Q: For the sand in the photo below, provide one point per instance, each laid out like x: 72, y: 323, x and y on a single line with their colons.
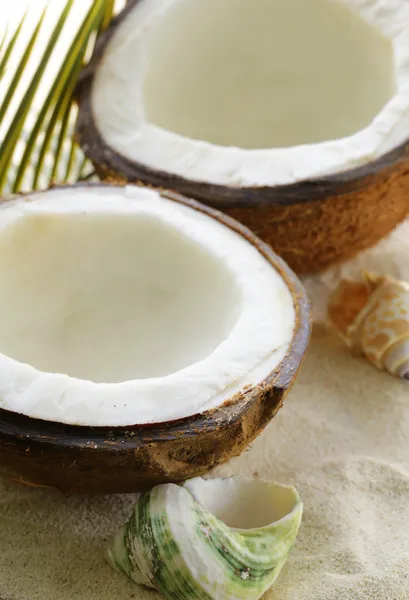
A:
x: 342, y: 438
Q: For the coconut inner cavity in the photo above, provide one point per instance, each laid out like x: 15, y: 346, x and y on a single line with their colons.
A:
x: 110, y: 298
x: 263, y: 73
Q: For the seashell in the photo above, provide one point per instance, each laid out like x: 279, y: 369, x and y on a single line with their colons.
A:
x: 372, y: 317
x: 210, y: 539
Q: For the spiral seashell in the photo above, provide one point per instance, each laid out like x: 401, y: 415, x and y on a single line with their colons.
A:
x: 372, y: 316
x: 216, y: 539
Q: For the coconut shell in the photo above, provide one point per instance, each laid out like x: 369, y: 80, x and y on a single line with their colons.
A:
x: 311, y: 224
x: 119, y: 460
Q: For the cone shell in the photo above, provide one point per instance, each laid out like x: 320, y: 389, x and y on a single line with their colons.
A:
x: 372, y: 316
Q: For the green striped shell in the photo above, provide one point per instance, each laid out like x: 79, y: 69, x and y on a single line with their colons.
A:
x: 175, y: 543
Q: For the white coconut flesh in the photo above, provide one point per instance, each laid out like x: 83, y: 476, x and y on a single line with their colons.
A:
x: 119, y: 307
x: 255, y: 92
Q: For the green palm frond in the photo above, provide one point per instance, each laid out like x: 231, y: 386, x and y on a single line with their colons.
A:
x: 9, y: 48
x: 37, y: 144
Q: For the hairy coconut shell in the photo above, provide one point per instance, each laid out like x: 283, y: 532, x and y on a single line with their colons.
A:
x: 116, y: 459
x: 311, y: 224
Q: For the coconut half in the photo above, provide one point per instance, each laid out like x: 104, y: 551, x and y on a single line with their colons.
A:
x: 260, y: 105
x: 145, y: 338
x: 235, y: 92
x: 119, y: 307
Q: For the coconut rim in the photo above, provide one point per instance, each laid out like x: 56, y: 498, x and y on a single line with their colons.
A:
x: 113, y: 163
x: 232, y: 409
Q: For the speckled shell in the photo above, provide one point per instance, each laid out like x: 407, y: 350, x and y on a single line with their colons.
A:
x: 372, y: 317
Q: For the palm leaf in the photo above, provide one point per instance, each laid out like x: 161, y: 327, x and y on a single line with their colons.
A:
x: 13, y: 134
x: 38, y: 147
x: 10, y: 46
x: 21, y: 67
x: 2, y: 42
x: 65, y: 83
